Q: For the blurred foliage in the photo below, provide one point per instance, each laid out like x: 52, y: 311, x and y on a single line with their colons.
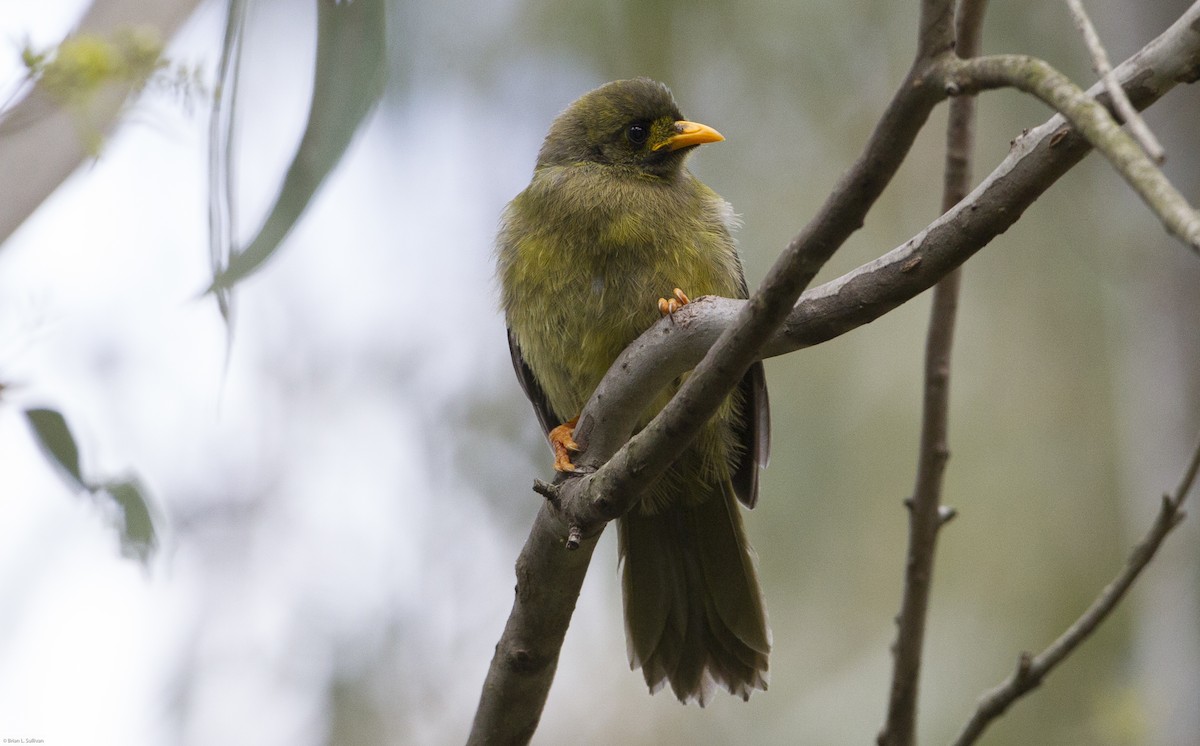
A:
x: 139, y: 539
x: 53, y: 435
x: 133, y: 520
x: 347, y: 83
x: 74, y: 71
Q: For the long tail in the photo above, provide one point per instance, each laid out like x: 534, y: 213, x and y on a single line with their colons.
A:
x: 694, y: 613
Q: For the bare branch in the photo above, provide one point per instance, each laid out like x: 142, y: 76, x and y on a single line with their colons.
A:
x: 35, y: 160
x: 936, y: 35
x: 522, y: 669
x: 1032, y: 670
x: 1128, y: 114
x: 1095, y: 123
x: 1036, y: 160
x: 925, y: 514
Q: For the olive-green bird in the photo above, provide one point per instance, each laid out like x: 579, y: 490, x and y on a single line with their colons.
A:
x: 610, y: 224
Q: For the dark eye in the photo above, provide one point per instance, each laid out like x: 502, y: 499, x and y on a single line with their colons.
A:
x: 637, y: 133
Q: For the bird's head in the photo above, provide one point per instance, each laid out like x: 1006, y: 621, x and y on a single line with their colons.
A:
x: 630, y: 123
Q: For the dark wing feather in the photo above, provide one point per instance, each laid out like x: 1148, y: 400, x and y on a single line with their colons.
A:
x: 531, y: 387
x: 753, y: 432
x: 753, y: 429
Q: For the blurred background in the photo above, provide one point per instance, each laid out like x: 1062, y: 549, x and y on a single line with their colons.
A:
x: 340, y: 484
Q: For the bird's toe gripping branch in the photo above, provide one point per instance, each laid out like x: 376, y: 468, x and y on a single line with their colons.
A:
x: 669, y: 306
x: 562, y: 440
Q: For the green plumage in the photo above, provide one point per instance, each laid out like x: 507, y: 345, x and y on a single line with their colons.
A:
x: 611, y: 222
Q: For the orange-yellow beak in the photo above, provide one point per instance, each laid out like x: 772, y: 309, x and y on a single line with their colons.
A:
x: 689, y: 133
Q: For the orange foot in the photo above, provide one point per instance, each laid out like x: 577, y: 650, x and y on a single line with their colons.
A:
x: 562, y: 440
x: 666, y: 307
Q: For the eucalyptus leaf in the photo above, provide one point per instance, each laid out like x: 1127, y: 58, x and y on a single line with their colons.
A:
x: 55, y: 439
x: 138, y: 536
x: 221, y: 213
x: 348, y: 81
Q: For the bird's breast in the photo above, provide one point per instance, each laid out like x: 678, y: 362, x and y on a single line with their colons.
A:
x: 584, y: 262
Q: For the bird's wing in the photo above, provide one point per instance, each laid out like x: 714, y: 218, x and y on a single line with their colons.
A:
x: 529, y: 384
x: 753, y: 432
x: 753, y: 429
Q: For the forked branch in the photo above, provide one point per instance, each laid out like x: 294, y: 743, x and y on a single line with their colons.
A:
x: 1095, y: 122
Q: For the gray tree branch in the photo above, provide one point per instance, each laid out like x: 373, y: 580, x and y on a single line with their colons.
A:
x: 1137, y: 125
x: 34, y: 160
x: 925, y: 515
x: 1095, y: 122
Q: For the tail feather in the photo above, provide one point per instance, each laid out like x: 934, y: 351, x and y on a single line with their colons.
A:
x: 728, y: 564
x: 694, y: 614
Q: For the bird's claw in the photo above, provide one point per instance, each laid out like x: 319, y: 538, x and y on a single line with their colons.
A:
x: 668, y: 306
x: 562, y: 440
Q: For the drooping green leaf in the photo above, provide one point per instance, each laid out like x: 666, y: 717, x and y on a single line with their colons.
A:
x: 221, y: 212
x: 139, y: 539
x: 55, y: 439
x: 349, y: 78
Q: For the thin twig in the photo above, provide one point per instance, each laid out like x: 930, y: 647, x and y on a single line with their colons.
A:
x: 924, y: 514
x: 1128, y: 114
x: 1095, y: 123
x: 1032, y: 670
